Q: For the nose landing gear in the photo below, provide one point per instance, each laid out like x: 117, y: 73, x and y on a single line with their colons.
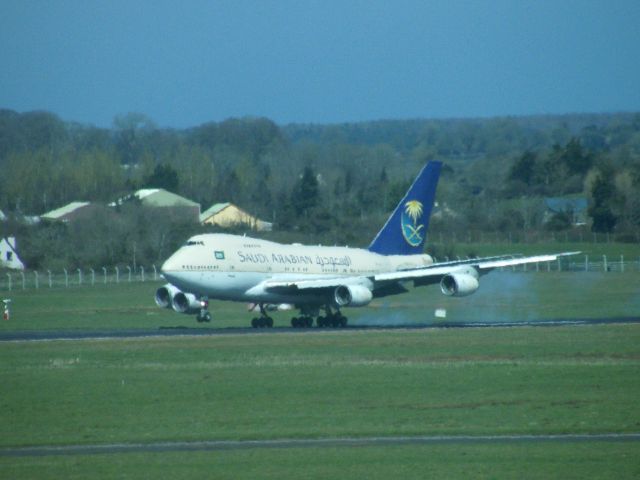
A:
x: 204, y: 315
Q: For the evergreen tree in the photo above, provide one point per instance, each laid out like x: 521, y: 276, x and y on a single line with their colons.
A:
x: 602, y: 192
x: 305, y: 193
x: 523, y: 169
x: 163, y: 176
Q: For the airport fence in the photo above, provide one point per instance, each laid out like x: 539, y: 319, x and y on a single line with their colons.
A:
x: 67, y: 278
x: 30, y: 279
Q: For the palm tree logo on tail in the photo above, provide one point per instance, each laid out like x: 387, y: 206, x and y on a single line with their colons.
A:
x: 412, y: 232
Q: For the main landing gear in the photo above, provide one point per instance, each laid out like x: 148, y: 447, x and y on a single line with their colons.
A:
x: 330, y: 320
x: 305, y: 320
x: 335, y: 320
x: 302, y: 322
x: 263, y: 321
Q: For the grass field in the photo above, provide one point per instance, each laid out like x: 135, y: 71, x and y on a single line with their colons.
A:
x: 334, y: 384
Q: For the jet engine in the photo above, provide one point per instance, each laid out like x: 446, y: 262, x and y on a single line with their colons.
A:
x: 169, y: 296
x: 352, y: 296
x: 459, y: 284
x: 164, y: 296
x: 186, y: 303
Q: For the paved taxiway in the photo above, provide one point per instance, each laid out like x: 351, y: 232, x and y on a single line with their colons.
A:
x: 185, y: 331
x: 217, y: 445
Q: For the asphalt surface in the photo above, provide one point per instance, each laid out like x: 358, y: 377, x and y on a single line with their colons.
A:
x: 220, y: 445
x: 35, y: 335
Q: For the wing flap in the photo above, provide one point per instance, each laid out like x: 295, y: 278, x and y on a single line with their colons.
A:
x: 318, y: 283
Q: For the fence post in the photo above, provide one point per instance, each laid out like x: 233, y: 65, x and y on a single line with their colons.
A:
x: 129, y: 268
x: 66, y: 278
x: 155, y: 272
x: 104, y: 270
x: 622, y: 263
x: 37, y: 282
x: 117, y: 275
x: 586, y: 263
x: 79, y: 277
x: 50, y: 281
x: 604, y: 263
x: 93, y: 277
x: 142, y: 272
x: 9, y: 281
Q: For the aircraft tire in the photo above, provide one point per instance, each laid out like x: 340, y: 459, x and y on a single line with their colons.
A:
x: 268, y: 322
x: 254, y: 323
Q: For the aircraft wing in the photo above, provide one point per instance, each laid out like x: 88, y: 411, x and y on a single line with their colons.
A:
x: 424, y: 275
x: 482, y: 265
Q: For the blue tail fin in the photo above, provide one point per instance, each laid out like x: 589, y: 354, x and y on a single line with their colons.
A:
x: 406, y: 229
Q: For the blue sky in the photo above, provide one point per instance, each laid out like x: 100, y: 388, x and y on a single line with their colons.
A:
x: 185, y: 63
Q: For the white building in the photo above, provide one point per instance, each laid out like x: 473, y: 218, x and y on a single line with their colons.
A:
x: 8, y: 255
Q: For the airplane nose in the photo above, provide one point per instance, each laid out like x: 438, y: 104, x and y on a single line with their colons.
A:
x: 170, y: 265
x: 170, y: 272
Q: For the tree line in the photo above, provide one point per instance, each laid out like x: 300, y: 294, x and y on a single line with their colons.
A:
x: 336, y: 183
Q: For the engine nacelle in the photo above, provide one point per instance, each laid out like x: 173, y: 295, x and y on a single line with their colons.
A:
x: 352, y: 296
x: 169, y: 296
x: 459, y: 284
x: 187, y: 303
x: 165, y: 294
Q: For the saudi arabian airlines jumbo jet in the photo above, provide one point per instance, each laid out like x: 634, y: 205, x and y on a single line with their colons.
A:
x: 315, y: 278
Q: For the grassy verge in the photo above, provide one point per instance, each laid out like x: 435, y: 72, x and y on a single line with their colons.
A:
x: 526, y: 380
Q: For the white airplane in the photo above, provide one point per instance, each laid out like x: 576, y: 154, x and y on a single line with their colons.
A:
x: 315, y: 278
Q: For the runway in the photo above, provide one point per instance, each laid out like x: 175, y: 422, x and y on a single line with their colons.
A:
x: 221, y: 445
x: 36, y: 335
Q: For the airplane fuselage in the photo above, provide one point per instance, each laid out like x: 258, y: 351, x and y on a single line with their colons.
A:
x: 230, y: 267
